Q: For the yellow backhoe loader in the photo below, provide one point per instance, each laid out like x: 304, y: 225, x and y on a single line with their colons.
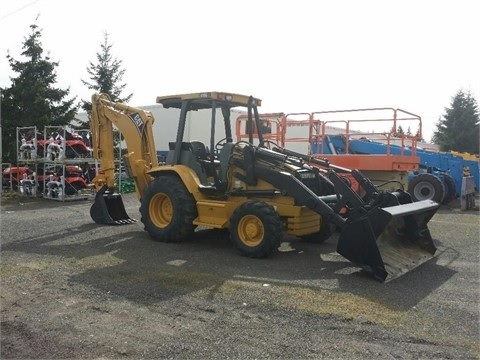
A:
x: 259, y: 192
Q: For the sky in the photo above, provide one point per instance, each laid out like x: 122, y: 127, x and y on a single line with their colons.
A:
x: 297, y: 56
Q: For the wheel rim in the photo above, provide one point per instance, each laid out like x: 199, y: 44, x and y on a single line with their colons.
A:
x: 424, y: 191
x: 250, y: 230
x: 160, y: 210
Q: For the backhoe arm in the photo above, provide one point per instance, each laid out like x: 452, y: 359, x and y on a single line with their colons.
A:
x: 136, y: 127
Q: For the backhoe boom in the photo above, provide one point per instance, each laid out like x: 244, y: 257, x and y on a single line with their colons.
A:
x: 135, y: 125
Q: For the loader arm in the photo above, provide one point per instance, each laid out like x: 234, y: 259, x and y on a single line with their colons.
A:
x: 136, y: 127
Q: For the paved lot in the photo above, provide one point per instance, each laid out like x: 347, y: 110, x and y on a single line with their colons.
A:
x: 74, y: 289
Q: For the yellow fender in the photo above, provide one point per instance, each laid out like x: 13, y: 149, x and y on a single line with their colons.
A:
x: 186, y: 174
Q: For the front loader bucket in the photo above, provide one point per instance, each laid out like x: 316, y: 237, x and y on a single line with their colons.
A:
x: 388, y: 242
x: 108, y: 209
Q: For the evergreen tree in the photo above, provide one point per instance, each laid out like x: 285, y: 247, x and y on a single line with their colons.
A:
x: 418, y: 137
x: 400, y: 131
x: 105, y: 77
x: 459, y: 128
x: 32, y: 99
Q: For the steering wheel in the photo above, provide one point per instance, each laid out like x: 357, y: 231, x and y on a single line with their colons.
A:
x: 219, y: 145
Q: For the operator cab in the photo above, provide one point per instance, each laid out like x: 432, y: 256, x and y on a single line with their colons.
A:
x: 209, y: 161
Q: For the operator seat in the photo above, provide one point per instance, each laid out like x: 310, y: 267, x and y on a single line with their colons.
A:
x: 186, y: 158
x: 201, y: 154
x: 199, y: 150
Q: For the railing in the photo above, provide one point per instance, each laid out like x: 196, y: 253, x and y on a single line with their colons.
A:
x: 370, y: 125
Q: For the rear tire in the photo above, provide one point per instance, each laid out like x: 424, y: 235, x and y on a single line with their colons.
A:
x: 426, y: 187
x: 167, y: 210
x: 451, y: 193
x: 326, y: 230
x: 256, y: 229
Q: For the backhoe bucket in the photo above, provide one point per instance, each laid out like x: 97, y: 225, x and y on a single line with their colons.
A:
x: 108, y: 209
x: 388, y: 242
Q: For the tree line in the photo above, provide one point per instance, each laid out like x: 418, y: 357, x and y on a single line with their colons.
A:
x: 34, y: 99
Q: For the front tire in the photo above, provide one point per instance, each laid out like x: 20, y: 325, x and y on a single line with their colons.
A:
x: 256, y: 229
x: 167, y: 210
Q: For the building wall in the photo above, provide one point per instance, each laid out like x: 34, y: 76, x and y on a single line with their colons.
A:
x: 197, y: 126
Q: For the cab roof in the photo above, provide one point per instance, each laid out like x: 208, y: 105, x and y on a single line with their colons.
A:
x: 204, y: 100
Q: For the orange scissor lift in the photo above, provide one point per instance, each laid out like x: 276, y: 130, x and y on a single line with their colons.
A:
x: 311, y: 133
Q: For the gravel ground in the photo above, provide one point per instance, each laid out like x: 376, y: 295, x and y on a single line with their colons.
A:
x: 74, y: 289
